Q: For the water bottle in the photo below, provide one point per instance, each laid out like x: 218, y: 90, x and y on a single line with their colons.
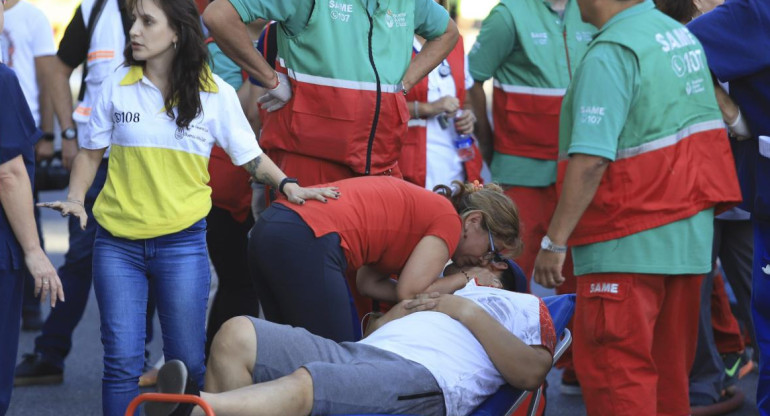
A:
x: 464, y: 147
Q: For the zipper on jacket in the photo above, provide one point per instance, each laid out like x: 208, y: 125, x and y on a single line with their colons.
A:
x: 566, y: 52
x: 376, y: 118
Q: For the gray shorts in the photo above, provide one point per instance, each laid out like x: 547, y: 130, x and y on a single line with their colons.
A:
x: 347, y: 377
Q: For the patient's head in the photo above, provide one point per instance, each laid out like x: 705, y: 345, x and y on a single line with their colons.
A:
x: 502, y: 275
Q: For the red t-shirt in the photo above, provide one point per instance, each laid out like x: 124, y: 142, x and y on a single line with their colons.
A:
x: 381, y: 219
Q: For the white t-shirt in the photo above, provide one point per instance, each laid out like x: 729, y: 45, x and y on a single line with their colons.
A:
x: 453, y: 355
x: 158, y: 173
x: 27, y: 35
x: 442, y: 164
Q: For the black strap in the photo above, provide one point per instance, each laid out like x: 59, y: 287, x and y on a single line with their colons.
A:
x: 96, y: 11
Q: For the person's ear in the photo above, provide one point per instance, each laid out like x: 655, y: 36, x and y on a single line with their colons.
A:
x: 499, y: 265
x: 473, y: 219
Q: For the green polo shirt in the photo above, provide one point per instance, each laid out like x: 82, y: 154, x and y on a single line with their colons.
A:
x: 602, y: 91
x: 495, y: 43
x: 225, y: 67
x: 430, y: 19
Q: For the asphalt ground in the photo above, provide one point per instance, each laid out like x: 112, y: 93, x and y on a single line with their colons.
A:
x: 80, y: 394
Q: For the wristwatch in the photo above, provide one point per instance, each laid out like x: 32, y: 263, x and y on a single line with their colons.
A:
x: 48, y: 137
x: 69, y: 133
x: 548, y: 245
x: 401, y: 88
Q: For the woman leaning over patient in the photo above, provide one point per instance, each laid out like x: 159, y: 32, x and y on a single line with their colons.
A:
x: 302, y: 256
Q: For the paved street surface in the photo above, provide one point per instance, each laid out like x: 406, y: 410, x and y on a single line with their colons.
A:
x: 80, y: 394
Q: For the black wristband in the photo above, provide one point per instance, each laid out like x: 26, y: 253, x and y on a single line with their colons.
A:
x: 47, y: 137
x: 284, y: 182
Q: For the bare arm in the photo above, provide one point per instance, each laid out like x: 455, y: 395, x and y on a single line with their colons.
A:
x: 432, y: 53
x: 263, y: 170
x: 423, y: 267
x: 584, y: 173
x: 248, y: 95
x: 44, y: 148
x: 83, y: 172
x: 59, y: 89
x: 396, y: 312
x: 478, y: 99
x: 420, y: 273
x: 376, y: 285
x: 43, y: 69
x: 731, y: 114
x: 233, y: 38
x: 444, y: 105
x: 61, y: 98
x: 16, y: 200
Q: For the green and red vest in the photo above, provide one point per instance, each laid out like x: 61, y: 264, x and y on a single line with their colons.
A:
x: 674, y: 158
x: 414, y: 151
x: 345, y: 67
x: 529, y: 86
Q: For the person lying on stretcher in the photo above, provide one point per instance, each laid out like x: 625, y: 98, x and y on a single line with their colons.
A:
x: 432, y: 355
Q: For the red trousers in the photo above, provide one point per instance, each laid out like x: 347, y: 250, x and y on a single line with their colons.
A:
x: 635, y: 338
x: 727, y: 332
x: 536, y: 207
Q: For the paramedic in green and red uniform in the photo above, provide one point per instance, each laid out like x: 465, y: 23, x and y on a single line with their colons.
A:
x: 531, y: 49
x: 349, y: 64
x: 646, y: 165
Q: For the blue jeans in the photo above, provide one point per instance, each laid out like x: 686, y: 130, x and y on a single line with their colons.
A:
x: 55, y: 341
x: 176, y: 268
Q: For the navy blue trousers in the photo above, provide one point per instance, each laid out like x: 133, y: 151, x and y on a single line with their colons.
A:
x: 11, y: 293
x: 300, y: 279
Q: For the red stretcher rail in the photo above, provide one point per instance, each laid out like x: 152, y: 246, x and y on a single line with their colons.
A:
x: 172, y: 398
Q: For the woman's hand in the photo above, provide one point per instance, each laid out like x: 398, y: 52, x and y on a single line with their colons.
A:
x: 69, y: 207
x: 484, y: 277
x: 47, y: 282
x: 298, y: 195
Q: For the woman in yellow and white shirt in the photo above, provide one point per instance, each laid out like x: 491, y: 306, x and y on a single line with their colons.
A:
x: 161, y: 115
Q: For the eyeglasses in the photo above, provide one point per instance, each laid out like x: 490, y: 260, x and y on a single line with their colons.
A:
x: 492, y: 255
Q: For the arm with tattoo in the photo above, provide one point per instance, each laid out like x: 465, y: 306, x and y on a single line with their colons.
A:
x: 263, y: 170
x: 266, y: 173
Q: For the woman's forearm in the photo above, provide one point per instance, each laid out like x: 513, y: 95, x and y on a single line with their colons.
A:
x: 16, y: 200
x: 84, y: 170
x: 263, y: 170
x: 375, y: 285
x: 448, y: 284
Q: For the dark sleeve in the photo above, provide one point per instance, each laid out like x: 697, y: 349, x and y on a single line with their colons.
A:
x: 732, y: 34
x: 73, y: 48
x: 18, y: 133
